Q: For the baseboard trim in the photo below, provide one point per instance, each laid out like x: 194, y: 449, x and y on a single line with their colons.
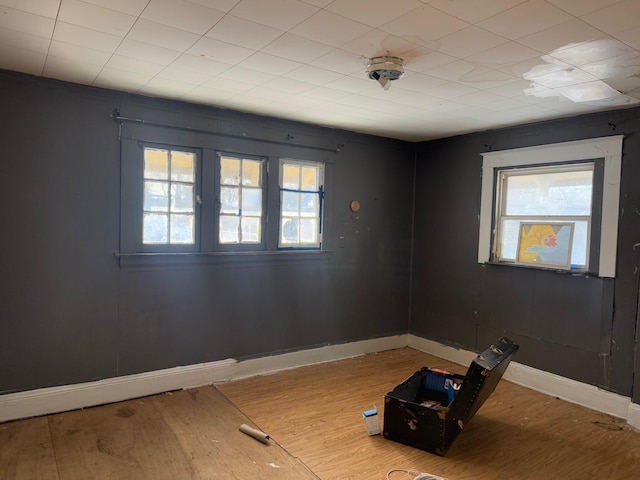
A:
x: 544, y: 382
x: 45, y: 401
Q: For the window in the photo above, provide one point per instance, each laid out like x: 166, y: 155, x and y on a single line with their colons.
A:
x: 241, y: 201
x: 543, y: 215
x: 301, y: 197
x: 169, y: 197
x: 193, y: 198
x: 576, y: 184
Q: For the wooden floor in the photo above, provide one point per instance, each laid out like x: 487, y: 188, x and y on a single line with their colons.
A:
x: 314, y: 417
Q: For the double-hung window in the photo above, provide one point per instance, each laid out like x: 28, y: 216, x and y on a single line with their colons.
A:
x: 301, y: 198
x: 544, y: 215
x: 552, y: 206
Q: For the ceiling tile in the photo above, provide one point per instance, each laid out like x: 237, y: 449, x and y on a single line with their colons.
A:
x: 280, y: 14
x: 206, y: 96
x: 631, y: 37
x: 361, y: 11
x: 451, y: 90
x: 466, y: 42
x: 424, y: 60
x: 624, y: 66
x: 503, y: 55
x: 21, y: 60
x: 341, y: 61
x: 183, y: 15
x: 220, y: 51
x: 325, y: 94
x: 247, y: 75
x: 228, y: 85
x: 480, y: 98
x: 590, y: 52
x: 376, y: 43
x: 243, y: 32
x: 263, y: 62
x: 70, y: 70
x: 26, y: 22
x: 560, y: 36
x: 23, y: 41
x: 418, y: 82
x: 288, y: 85
x: 199, y: 64
x: 134, y: 65
x: 144, y: 51
x: 423, y: 25
x: 350, y: 84
x: 581, y: 7
x: 68, y: 33
x: 183, y: 76
x: 220, y: 5
x: 77, y: 53
x: 615, y: 18
x: 162, y: 35
x: 121, y: 79
x: 165, y: 88
x: 296, y: 48
x: 329, y: 28
x: 95, y: 17
x: 539, y: 16
x: 44, y: 8
x: 132, y: 7
x: 313, y: 75
x: 474, y: 11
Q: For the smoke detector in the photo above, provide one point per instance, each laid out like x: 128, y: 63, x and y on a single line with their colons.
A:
x: 384, y: 69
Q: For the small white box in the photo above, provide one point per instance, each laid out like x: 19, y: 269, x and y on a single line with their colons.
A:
x: 371, y: 421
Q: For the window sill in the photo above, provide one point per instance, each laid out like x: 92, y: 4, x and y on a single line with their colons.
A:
x: 227, y: 258
x: 575, y: 273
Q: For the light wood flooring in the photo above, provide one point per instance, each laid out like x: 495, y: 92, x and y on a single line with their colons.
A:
x: 314, y: 417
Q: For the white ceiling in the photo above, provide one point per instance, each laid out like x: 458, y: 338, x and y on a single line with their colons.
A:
x: 471, y: 65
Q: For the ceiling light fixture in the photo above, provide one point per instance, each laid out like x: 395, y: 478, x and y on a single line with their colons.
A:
x: 384, y: 69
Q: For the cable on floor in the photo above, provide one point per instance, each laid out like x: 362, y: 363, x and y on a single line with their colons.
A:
x: 414, y: 474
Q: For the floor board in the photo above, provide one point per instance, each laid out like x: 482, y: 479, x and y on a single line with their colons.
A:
x: 315, y: 413
x: 26, y: 451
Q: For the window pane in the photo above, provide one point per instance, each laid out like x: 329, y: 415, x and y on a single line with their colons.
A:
x: 558, y: 193
x: 181, y: 198
x: 156, y: 164
x: 182, y: 166
x: 290, y: 232
x: 156, y: 196
x: 182, y: 229
x: 250, y: 230
x: 308, y: 230
x: 229, y: 171
x: 252, y: 202
x: 290, y: 203
x: 251, y: 173
x: 308, y: 204
x: 291, y: 177
x: 309, y: 178
x: 229, y: 200
x: 510, y: 231
x: 154, y: 228
x: 229, y: 229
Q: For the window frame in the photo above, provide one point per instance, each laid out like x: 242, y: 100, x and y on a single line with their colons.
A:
x: 502, y: 176
x: 602, y: 258
x: 219, y: 246
x: 139, y: 211
x: 320, y: 192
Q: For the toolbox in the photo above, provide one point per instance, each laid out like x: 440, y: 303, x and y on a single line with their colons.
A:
x: 431, y: 407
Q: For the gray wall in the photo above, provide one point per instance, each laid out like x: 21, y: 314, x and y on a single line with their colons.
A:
x: 71, y: 312
x: 577, y: 326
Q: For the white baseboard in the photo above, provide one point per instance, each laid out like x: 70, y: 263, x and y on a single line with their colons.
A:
x: 69, y: 397
x: 544, y: 382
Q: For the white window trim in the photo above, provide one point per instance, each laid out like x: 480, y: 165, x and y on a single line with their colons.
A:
x: 609, y: 148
